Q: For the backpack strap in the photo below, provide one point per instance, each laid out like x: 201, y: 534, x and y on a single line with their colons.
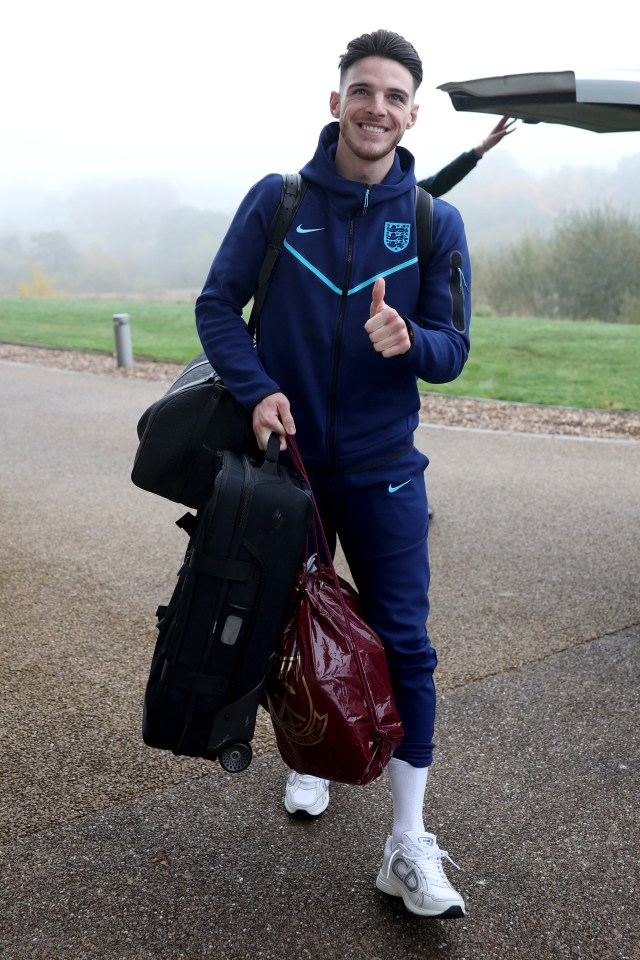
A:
x: 424, y: 225
x: 293, y: 190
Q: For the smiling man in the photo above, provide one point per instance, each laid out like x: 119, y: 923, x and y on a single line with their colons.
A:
x: 374, y: 107
x: 351, y: 321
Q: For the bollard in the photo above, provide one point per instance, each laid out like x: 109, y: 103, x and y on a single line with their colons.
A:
x: 122, y: 331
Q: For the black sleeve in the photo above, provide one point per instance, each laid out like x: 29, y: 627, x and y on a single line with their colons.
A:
x: 449, y: 176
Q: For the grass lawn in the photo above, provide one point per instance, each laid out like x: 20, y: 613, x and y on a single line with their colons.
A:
x: 565, y: 362
x: 163, y: 331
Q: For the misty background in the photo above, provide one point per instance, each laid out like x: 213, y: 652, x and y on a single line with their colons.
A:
x: 139, y: 236
x: 131, y: 131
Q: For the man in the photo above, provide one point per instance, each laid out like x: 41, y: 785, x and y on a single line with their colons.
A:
x: 347, y: 328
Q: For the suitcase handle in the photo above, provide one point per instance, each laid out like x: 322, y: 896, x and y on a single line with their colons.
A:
x: 272, y: 454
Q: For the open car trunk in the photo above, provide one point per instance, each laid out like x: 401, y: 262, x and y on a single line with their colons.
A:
x: 609, y: 103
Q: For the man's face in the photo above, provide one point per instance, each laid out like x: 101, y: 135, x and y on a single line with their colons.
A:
x: 374, y: 107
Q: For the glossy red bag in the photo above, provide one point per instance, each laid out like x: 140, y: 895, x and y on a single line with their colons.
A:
x: 329, y: 695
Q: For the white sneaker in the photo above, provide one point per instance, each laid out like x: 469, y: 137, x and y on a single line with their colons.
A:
x: 306, y: 795
x: 413, y: 870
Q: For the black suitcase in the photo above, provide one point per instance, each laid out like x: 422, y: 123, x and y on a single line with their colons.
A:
x: 181, y: 433
x: 222, y: 626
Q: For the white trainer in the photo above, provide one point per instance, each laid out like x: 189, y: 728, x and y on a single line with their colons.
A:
x: 306, y: 795
x: 413, y: 870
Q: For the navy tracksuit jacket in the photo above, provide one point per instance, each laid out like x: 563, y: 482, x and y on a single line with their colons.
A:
x: 355, y: 411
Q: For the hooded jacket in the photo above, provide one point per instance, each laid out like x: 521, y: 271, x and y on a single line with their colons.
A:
x: 353, y: 408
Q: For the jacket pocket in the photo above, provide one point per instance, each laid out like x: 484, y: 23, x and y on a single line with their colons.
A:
x: 457, y: 286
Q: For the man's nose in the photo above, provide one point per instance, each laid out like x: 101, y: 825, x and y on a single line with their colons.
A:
x: 377, y: 104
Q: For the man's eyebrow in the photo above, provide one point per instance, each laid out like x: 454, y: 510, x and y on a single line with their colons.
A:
x: 366, y: 83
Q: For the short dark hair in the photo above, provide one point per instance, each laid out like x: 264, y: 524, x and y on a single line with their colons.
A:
x: 383, y: 43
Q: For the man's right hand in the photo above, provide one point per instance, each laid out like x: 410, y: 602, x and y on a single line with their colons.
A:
x: 273, y: 415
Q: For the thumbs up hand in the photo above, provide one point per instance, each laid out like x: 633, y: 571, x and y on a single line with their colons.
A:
x: 377, y: 296
x: 387, y: 330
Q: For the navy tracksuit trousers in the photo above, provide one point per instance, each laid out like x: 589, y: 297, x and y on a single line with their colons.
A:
x: 381, y: 518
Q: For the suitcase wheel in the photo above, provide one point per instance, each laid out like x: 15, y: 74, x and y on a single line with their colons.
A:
x: 235, y: 757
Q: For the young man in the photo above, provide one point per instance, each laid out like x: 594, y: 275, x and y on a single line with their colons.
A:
x: 347, y: 328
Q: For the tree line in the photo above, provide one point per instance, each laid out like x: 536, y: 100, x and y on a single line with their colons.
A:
x: 135, y: 238
x: 588, y: 269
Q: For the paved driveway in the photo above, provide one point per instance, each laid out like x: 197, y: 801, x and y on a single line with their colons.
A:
x: 112, y: 850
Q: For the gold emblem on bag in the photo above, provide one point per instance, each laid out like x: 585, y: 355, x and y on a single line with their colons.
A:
x: 304, y: 729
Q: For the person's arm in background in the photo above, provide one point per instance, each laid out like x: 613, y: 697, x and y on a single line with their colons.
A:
x: 457, y: 170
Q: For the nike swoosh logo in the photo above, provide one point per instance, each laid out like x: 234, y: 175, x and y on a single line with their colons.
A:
x: 393, y: 489
x: 301, y: 229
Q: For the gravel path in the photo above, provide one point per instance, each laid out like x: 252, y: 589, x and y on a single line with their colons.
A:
x: 436, y: 408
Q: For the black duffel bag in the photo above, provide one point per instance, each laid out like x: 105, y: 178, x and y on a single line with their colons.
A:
x: 181, y: 433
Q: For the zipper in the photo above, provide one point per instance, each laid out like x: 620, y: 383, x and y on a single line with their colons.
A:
x: 195, y: 383
x: 333, y: 396
x: 457, y: 285
x: 242, y: 513
x: 245, y: 501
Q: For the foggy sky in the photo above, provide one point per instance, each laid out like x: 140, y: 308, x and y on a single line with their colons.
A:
x: 212, y: 96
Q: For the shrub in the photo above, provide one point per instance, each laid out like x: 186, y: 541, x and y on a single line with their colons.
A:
x: 589, y: 269
x: 40, y: 285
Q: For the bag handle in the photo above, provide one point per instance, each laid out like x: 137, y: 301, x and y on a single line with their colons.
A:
x: 271, y: 455
x: 298, y: 463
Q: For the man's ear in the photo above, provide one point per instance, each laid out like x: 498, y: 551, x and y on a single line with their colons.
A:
x: 413, y: 116
x: 334, y: 104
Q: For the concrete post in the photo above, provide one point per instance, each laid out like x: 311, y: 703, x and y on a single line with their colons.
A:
x: 122, y: 331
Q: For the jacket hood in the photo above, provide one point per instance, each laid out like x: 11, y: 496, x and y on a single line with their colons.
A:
x: 347, y: 195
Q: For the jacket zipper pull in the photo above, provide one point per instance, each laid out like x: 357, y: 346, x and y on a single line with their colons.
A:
x: 365, y: 206
x: 463, y: 280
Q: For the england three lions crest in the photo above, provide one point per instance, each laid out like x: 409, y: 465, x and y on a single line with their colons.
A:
x: 396, y: 236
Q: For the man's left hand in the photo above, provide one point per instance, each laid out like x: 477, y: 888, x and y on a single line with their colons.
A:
x: 386, y: 328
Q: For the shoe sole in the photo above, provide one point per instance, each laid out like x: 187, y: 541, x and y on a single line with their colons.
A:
x: 311, y: 812
x: 453, y: 912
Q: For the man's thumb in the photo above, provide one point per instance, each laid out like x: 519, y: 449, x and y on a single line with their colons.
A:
x: 377, y: 297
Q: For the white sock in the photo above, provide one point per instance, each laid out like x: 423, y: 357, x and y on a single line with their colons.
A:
x: 408, y: 786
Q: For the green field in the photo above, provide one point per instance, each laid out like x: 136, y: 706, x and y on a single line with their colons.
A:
x: 571, y: 363
x: 163, y: 331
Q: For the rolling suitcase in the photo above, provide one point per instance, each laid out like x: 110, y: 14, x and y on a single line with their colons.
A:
x: 221, y: 628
